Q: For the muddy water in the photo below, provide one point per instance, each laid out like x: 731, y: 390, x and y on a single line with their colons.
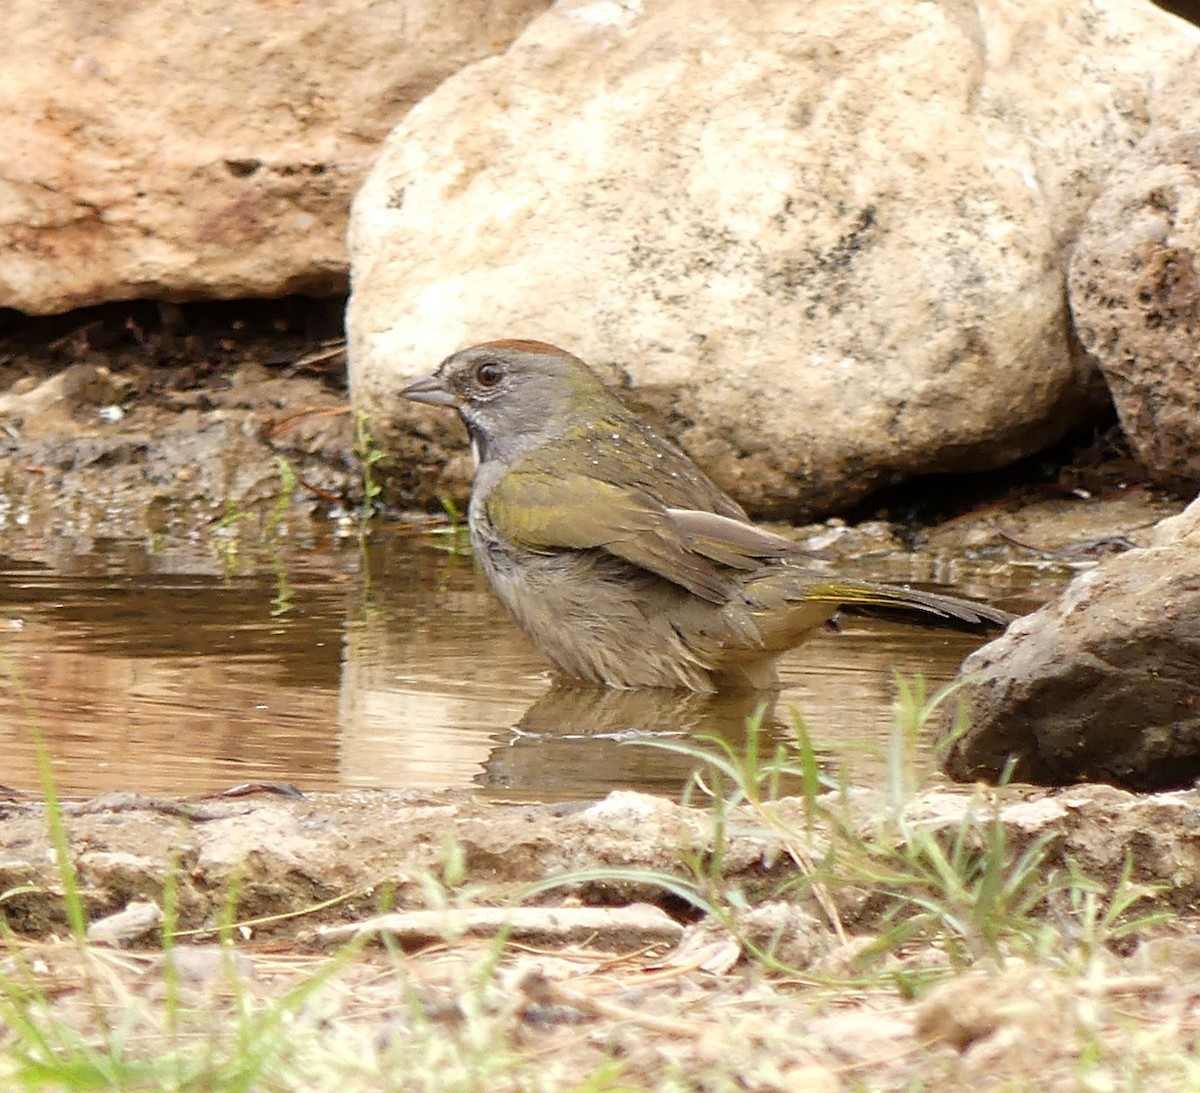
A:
x: 180, y: 669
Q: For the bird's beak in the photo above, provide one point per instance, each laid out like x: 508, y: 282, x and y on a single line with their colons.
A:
x: 430, y: 390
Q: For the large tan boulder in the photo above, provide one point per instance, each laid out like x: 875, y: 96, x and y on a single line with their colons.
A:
x: 827, y: 240
x: 207, y: 149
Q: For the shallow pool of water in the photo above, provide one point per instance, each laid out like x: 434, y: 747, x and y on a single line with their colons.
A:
x: 181, y: 670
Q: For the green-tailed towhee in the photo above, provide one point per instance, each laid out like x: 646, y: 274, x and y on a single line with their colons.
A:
x: 625, y: 563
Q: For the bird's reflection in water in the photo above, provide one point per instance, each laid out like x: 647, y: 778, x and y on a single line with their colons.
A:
x: 581, y: 740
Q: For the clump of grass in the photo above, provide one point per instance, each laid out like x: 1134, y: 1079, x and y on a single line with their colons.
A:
x: 455, y: 520
x: 453, y: 535
x: 369, y: 454
x: 228, y: 534
x: 288, y: 481
x: 961, y: 884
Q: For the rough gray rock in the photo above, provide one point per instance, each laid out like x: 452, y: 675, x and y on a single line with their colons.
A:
x: 827, y: 242
x: 1135, y: 289
x: 1102, y: 684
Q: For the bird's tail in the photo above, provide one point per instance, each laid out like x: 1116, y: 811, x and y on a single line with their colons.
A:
x: 862, y: 597
x: 787, y: 601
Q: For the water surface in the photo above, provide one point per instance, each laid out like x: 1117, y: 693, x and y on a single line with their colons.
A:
x: 181, y: 670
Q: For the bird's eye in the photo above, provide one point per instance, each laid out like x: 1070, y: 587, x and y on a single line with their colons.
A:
x: 489, y: 374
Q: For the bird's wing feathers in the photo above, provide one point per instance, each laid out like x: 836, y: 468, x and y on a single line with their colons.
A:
x: 578, y: 512
x: 734, y: 543
x: 705, y: 553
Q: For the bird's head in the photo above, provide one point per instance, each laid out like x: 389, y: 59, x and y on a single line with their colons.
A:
x: 514, y: 395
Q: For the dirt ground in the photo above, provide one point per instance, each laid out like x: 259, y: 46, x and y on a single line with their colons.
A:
x: 136, y: 420
x: 288, y: 854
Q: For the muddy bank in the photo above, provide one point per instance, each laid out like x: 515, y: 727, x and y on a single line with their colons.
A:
x: 1075, y: 942
x: 143, y: 420
x: 283, y: 855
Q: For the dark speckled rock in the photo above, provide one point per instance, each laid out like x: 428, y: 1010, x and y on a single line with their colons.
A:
x: 1101, y: 685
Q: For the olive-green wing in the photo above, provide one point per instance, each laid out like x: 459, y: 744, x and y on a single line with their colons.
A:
x: 701, y: 551
x: 548, y: 512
